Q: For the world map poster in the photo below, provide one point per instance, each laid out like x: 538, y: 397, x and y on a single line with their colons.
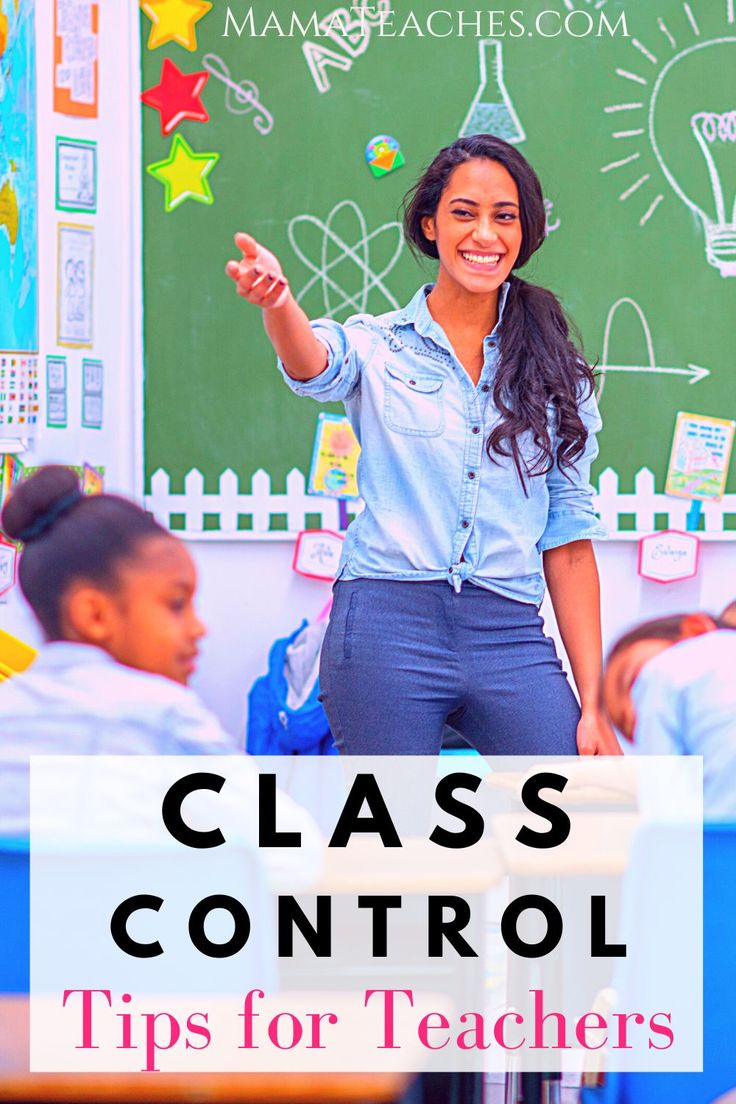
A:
x: 18, y: 181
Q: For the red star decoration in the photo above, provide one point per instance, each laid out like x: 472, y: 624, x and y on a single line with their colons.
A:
x: 177, y: 96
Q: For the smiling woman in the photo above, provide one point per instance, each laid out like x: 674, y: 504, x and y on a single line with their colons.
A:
x: 477, y: 421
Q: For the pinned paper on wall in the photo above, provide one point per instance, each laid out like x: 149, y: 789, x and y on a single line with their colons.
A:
x: 92, y: 394
x: 18, y: 395
x: 8, y: 564
x: 317, y: 553
x: 11, y: 473
x: 76, y: 175
x: 701, y: 450
x: 184, y: 174
x: 177, y: 96
x: 668, y: 556
x: 383, y: 154
x: 56, y: 392
x: 93, y: 480
x: 335, y: 458
x: 74, y: 286
x: 174, y: 21
x: 76, y: 24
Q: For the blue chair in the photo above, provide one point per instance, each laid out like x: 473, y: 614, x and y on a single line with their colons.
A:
x: 257, y: 962
x: 719, y: 983
x: 14, y: 915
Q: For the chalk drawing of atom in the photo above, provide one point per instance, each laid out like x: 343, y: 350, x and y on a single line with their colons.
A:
x: 347, y: 263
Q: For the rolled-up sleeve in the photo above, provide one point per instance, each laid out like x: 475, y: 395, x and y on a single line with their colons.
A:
x: 349, y: 346
x: 571, y: 516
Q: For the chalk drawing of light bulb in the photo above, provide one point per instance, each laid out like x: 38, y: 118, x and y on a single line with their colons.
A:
x: 692, y: 128
x: 492, y: 111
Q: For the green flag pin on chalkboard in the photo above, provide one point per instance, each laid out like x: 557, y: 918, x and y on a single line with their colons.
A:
x: 383, y: 154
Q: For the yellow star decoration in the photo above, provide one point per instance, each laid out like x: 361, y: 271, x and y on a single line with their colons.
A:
x: 174, y: 20
x: 184, y: 174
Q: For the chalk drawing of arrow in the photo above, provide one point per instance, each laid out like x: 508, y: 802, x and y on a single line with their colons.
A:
x: 695, y: 371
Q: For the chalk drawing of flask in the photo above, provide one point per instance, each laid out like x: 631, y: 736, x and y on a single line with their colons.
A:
x: 492, y: 111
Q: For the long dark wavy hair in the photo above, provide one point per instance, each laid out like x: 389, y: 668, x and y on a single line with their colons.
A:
x: 538, y: 362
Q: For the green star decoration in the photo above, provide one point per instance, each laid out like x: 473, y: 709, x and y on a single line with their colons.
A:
x: 184, y: 174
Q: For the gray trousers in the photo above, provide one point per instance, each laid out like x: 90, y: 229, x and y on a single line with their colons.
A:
x: 402, y: 659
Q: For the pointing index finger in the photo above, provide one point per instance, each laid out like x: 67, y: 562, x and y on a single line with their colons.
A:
x: 247, y: 245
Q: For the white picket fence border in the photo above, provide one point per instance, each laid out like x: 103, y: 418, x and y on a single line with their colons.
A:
x: 261, y: 503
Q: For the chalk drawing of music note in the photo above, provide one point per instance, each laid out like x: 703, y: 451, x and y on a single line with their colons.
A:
x: 241, y: 97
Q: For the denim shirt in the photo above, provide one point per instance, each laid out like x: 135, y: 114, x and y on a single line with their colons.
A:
x: 436, y: 506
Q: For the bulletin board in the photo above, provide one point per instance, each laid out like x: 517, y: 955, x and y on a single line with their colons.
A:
x: 628, y: 133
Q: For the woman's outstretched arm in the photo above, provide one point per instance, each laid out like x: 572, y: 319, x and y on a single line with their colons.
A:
x: 259, y: 278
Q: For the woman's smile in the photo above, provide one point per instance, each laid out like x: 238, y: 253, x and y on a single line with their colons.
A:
x: 481, y: 261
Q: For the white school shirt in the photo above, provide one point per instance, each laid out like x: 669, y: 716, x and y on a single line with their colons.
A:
x: 76, y: 700
x: 685, y: 701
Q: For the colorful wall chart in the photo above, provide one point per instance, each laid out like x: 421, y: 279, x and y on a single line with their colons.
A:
x: 75, y: 57
x: 18, y: 182
x: 701, y: 450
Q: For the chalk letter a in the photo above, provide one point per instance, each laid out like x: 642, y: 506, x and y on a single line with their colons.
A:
x: 319, y: 58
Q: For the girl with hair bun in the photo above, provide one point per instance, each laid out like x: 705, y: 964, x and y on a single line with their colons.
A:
x: 99, y: 571
x: 477, y: 420
x: 114, y: 595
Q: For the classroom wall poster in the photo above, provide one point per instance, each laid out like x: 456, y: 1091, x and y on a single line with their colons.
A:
x: 75, y: 57
x: 92, y: 390
x: 334, y: 465
x: 56, y: 392
x: 76, y: 175
x: 75, y: 281
x: 701, y: 450
x: 18, y: 395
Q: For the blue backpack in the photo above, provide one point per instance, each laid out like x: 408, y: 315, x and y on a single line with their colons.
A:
x: 285, y: 716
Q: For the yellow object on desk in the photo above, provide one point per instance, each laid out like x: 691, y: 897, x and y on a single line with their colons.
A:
x: 15, y: 656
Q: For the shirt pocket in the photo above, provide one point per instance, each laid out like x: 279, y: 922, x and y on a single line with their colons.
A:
x: 412, y: 402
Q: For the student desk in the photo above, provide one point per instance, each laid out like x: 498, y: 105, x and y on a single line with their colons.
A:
x: 422, y: 868
x: 417, y: 867
x: 601, y: 845
x: 605, y: 845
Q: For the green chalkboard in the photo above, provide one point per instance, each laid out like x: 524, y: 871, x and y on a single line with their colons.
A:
x: 607, y: 120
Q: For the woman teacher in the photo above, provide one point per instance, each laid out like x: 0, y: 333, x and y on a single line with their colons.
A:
x: 477, y: 420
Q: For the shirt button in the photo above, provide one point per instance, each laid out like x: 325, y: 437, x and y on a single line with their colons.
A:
x: 476, y: 429
x: 485, y: 387
x: 471, y: 475
x: 466, y: 523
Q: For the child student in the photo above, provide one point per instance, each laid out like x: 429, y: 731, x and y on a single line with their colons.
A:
x: 669, y: 686
x: 113, y: 593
